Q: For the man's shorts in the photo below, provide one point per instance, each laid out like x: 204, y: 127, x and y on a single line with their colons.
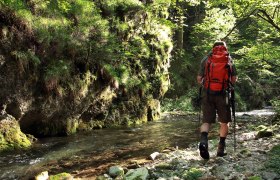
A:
x: 215, y: 104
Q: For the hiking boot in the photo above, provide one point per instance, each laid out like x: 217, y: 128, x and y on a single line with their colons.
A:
x: 221, y: 150
x: 203, y: 150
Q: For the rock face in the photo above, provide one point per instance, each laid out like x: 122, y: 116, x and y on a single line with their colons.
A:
x: 103, y: 64
x: 11, y: 136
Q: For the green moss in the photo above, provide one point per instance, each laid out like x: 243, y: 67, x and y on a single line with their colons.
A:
x: 93, y: 124
x: 61, y: 176
x: 11, y: 136
x: 129, y: 38
x: 141, y: 120
x: 164, y: 166
x: 192, y: 174
x: 71, y: 127
x: 58, y: 68
x: 261, y: 128
x: 255, y: 178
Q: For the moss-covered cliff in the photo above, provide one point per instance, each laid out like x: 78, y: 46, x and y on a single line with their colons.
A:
x: 76, y: 65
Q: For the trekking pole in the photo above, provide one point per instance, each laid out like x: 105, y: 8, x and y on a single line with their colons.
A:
x: 199, y: 113
x: 233, y: 115
x: 231, y: 96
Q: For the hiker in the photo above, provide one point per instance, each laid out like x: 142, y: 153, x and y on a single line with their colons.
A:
x: 215, y: 74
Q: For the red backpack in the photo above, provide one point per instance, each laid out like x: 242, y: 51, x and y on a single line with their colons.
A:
x: 217, y: 70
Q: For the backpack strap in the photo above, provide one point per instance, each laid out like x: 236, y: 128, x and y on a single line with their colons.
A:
x: 208, y: 63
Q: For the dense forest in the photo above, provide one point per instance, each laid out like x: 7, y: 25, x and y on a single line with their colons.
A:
x: 69, y: 66
x: 251, y: 31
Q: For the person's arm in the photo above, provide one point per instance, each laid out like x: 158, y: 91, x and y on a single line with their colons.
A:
x: 234, y: 79
x: 234, y: 73
x: 200, y: 76
x: 199, y: 79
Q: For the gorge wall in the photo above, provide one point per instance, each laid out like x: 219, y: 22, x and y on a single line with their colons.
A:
x: 80, y: 65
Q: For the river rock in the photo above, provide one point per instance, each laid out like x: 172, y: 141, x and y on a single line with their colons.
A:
x: 154, y: 155
x: 11, y: 136
x: 139, y: 173
x: 115, y: 171
x: 104, y: 177
x: 247, y: 136
x: 62, y: 176
x: 270, y: 175
x: 42, y: 176
x: 264, y: 133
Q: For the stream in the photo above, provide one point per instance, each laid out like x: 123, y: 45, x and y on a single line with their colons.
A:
x: 98, y: 147
x: 90, y: 154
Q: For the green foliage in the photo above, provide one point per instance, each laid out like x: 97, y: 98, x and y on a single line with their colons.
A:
x: 276, y: 104
x: 14, y: 4
x: 255, y: 178
x: 262, y: 79
x: 273, y: 163
x: 26, y: 56
x: 183, y: 72
x: 240, y: 104
x: 252, y: 43
x: 183, y: 103
x: 192, y: 174
x: 112, y: 7
x: 120, y: 73
x: 57, y: 69
x: 134, y: 52
x: 215, y: 26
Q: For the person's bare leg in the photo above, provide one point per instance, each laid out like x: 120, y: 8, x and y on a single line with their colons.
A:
x: 224, y: 129
x: 205, y: 127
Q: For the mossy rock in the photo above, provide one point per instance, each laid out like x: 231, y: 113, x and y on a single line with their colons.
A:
x: 164, y: 166
x: 11, y: 136
x: 261, y: 128
x: 153, y: 110
x: 71, y: 126
x: 93, y: 124
x: 246, y: 152
x: 115, y: 171
x: 265, y: 133
x: 61, y: 176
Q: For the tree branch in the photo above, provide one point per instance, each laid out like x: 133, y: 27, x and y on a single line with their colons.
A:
x: 269, y: 19
x: 261, y: 17
x: 276, y: 8
x: 271, y: 63
x: 240, y: 22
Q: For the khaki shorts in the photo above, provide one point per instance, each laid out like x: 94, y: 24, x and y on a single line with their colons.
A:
x: 215, y: 104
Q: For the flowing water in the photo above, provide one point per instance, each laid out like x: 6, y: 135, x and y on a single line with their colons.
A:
x: 104, y: 146
x: 89, y: 154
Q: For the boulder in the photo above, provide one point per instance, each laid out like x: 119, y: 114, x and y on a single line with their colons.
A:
x: 62, y: 176
x: 11, y: 136
x: 42, y: 176
x: 139, y: 173
x: 115, y: 171
x: 265, y: 133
